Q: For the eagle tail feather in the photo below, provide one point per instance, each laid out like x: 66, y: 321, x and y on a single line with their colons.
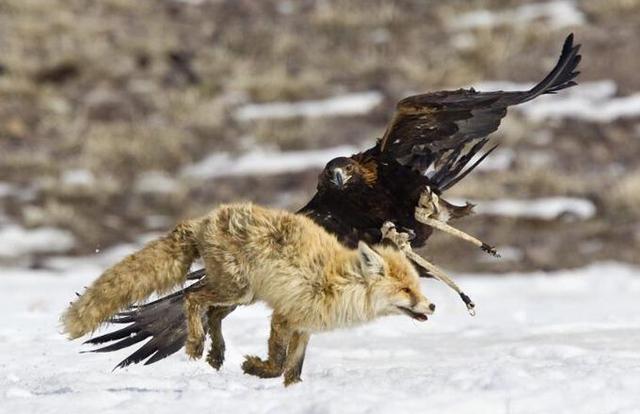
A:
x: 162, y: 320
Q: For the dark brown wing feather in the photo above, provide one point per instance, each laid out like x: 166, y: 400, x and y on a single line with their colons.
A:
x: 424, y: 127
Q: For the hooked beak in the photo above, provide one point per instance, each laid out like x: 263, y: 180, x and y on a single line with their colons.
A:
x: 339, y: 178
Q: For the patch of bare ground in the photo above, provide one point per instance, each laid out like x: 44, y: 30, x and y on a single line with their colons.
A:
x: 96, y: 96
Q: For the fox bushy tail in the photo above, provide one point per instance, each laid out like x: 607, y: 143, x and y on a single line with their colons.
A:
x: 160, y: 266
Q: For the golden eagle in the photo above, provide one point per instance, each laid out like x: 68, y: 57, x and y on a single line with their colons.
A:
x: 426, y: 149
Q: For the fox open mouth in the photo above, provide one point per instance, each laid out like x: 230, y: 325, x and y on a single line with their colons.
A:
x: 417, y: 316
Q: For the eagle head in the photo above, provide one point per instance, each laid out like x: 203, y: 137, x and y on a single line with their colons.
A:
x: 345, y: 173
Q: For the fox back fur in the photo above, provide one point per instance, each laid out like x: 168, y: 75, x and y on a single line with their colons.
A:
x: 311, y: 281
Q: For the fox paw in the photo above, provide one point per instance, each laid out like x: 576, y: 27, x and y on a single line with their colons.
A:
x: 291, y: 379
x: 253, y: 365
x: 215, y: 358
x: 194, y: 348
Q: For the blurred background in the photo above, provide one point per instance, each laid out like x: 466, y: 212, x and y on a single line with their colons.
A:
x: 118, y: 118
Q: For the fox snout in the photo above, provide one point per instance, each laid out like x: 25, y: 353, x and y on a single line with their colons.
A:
x: 425, y: 307
x: 420, y: 309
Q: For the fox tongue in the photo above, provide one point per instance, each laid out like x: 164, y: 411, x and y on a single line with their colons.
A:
x: 419, y: 316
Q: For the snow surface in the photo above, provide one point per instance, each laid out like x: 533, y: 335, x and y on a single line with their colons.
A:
x: 264, y: 162
x: 17, y: 240
x: 359, y: 103
x: 157, y: 182
x: 562, y: 342
x: 546, y: 208
x: 558, y: 14
x: 499, y: 160
x: 78, y: 178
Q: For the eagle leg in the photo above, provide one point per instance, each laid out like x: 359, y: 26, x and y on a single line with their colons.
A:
x: 429, y: 212
x: 401, y: 240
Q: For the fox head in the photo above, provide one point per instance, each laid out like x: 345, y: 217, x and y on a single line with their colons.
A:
x: 394, y: 285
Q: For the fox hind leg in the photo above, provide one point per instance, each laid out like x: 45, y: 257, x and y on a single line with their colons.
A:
x: 202, y: 298
x: 215, y: 315
x: 195, y: 331
x: 278, y: 341
x: 295, y: 358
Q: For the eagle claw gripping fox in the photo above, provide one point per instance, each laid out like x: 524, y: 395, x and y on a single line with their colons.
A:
x: 432, y: 142
x: 312, y: 282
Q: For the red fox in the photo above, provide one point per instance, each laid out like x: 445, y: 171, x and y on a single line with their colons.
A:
x: 311, y: 281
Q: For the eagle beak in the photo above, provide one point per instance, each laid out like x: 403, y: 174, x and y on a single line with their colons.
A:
x: 339, y: 178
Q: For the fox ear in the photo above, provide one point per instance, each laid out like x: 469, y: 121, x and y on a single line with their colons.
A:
x: 371, y: 262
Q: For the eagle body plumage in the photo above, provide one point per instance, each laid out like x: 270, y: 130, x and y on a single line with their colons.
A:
x: 357, y: 212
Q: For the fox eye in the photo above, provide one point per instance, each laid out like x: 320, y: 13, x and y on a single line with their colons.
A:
x: 406, y: 290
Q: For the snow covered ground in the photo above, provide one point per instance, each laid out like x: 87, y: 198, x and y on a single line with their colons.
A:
x: 563, y: 342
x: 358, y: 103
x: 544, y: 208
x: 558, y: 14
x: 262, y: 161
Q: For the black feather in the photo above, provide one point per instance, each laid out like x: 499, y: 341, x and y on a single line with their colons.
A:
x: 456, y: 179
x: 126, y: 342
x: 125, y: 332
x: 561, y: 75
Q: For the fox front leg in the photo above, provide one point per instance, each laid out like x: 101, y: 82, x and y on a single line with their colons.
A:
x: 278, y: 341
x: 215, y: 315
x: 295, y: 358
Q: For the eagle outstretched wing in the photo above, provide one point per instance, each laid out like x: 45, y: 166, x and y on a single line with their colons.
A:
x: 425, y: 127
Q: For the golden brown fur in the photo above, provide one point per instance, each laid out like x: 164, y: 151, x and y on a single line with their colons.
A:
x: 158, y: 267
x: 311, y: 281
